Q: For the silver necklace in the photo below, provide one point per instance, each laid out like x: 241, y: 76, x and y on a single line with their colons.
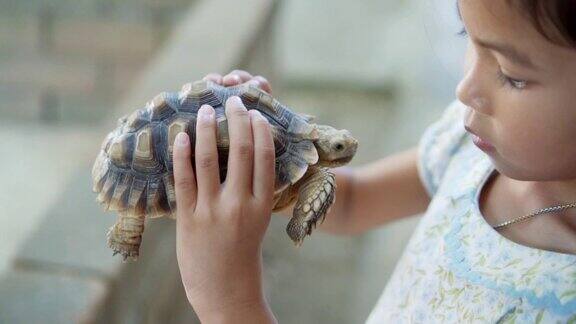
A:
x: 536, y: 213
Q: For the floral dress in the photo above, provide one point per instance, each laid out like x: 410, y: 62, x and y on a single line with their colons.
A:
x: 456, y: 268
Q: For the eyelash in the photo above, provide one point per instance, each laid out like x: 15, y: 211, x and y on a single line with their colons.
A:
x: 512, y: 83
x: 503, y: 78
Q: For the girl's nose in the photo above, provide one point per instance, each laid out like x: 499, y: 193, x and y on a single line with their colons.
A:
x: 474, y: 86
x: 469, y: 93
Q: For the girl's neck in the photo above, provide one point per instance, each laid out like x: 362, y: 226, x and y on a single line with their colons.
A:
x: 541, y: 194
x: 505, y: 198
x: 555, y: 192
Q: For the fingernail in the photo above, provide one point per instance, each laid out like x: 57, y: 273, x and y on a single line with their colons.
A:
x: 235, y: 100
x: 181, y: 139
x: 236, y: 78
x: 256, y: 114
x: 206, y: 113
x: 255, y: 83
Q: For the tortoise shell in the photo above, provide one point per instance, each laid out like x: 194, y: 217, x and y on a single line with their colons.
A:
x: 133, y: 171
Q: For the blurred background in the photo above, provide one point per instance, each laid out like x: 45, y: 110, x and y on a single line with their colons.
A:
x: 68, y: 69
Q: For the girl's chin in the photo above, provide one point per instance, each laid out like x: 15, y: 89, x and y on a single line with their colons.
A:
x: 507, y: 170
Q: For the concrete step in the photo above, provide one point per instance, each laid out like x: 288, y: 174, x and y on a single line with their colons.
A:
x: 38, y: 162
x: 35, y: 71
x: 70, y: 238
x: 125, y: 42
x: 52, y: 107
x: 73, y: 305
x: 36, y: 88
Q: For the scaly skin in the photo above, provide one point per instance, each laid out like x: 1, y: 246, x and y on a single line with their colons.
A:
x: 125, y: 236
x: 316, y: 195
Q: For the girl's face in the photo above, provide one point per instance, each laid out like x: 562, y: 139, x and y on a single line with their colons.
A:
x: 520, y: 90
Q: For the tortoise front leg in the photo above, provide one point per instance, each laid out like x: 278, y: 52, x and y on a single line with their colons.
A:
x: 125, y: 236
x: 315, y: 196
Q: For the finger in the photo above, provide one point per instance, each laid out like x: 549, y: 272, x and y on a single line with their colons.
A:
x: 207, y: 173
x: 264, y: 157
x: 184, y: 181
x: 236, y: 77
x: 231, y: 80
x: 263, y: 83
x: 244, y: 76
x: 239, y: 177
x: 214, y: 77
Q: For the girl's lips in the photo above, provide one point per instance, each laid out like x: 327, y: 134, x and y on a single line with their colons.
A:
x: 478, y: 141
x: 482, y: 144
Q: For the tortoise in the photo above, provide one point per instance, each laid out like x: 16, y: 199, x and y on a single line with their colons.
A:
x: 133, y: 172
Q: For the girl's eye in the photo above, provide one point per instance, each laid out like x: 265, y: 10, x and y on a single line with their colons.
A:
x: 514, y: 83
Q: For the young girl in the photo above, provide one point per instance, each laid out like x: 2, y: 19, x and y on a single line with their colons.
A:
x: 495, y: 176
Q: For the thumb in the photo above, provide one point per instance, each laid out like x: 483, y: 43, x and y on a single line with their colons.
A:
x: 184, y: 181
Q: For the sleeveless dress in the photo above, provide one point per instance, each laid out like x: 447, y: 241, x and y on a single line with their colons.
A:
x: 456, y: 268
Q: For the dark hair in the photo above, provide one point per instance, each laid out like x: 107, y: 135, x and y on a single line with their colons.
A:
x: 554, y: 19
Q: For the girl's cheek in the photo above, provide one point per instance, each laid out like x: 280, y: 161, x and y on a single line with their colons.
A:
x: 524, y: 141
x: 508, y: 134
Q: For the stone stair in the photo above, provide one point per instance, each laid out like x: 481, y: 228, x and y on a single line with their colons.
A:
x: 76, y: 57
x: 64, y: 272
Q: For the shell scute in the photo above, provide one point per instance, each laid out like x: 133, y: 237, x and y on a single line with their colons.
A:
x: 119, y: 200
x: 176, y: 126
x: 161, y: 107
x: 100, y: 172
x: 137, y: 119
x: 157, y: 204
x: 198, y: 93
x: 108, y: 187
x: 137, y: 197
x: 120, y: 150
x: 250, y: 97
x: 168, y: 180
x: 144, y: 158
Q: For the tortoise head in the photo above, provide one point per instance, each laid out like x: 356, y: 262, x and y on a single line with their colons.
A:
x: 336, y: 147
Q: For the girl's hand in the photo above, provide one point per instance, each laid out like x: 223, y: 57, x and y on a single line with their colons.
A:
x: 237, y: 77
x: 220, y: 227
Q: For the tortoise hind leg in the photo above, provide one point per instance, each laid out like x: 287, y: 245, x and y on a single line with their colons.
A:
x: 316, y: 195
x: 125, y: 236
